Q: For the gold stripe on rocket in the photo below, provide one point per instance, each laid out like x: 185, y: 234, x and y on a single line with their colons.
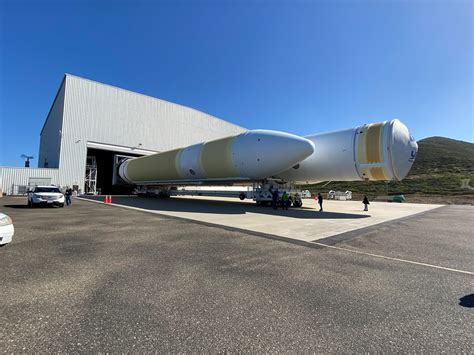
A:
x: 374, y: 173
x: 361, y: 146
x: 160, y: 166
x: 373, y: 143
x: 378, y: 173
x: 216, y: 158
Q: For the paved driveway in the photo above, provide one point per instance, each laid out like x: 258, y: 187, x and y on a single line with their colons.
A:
x: 93, y: 277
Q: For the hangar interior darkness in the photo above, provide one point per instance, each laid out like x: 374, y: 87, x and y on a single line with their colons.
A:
x: 104, y: 161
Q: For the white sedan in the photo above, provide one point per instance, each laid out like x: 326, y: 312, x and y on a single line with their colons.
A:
x: 45, y: 195
x: 6, y: 229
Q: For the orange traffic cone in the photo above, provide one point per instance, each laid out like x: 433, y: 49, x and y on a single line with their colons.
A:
x: 110, y: 198
x: 106, y: 199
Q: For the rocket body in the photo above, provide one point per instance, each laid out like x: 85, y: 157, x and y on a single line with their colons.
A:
x: 250, y: 156
x: 378, y: 151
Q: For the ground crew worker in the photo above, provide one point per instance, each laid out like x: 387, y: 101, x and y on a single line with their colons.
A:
x: 284, y: 200
x: 68, y: 196
x: 320, y: 201
x: 366, y: 203
x: 275, y: 199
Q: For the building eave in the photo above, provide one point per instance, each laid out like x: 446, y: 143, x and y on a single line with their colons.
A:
x: 54, y: 101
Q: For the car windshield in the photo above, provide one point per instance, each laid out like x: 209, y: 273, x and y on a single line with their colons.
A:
x: 47, y: 189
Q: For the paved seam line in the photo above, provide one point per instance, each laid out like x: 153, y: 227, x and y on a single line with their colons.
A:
x: 395, y: 259
x: 355, y: 233
x: 284, y: 239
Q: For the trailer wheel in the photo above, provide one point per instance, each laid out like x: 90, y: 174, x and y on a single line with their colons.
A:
x: 297, y: 204
x: 242, y: 196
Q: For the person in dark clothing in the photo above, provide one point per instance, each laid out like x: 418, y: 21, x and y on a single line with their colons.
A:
x: 68, y: 196
x: 275, y: 199
x: 320, y: 202
x: 366, y: 203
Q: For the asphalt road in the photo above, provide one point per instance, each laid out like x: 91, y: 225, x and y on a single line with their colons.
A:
x: 93, y: 277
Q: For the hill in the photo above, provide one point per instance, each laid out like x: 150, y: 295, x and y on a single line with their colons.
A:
x: 443, y: 155
x: 443, y: 167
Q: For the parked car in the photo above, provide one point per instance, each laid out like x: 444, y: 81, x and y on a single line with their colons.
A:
x: 396, y: 198
x: 305, y: 194
x: 45, y: 195
x: 6, y: 229
x: 340, y: 195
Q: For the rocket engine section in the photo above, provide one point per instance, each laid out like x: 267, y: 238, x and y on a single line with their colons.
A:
x: 250, y: 156
x: 377, y: 151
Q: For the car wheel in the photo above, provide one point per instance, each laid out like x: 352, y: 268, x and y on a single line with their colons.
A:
x: 61, y: 205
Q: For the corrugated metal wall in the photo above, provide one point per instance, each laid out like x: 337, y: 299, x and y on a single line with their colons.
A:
x: 106, y: 114
x: 10, y: 177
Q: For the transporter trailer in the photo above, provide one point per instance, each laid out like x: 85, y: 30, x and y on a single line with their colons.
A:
x: 260, y: 193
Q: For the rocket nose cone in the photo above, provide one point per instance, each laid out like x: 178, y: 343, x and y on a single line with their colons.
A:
x: 288, y: 147
x: 261, y: 153
x: 297, y: 148
x: 404, y: 149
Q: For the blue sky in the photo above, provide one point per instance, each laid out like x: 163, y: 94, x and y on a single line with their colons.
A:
x: 296, y: 66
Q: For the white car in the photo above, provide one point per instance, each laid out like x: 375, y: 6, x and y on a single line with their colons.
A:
x: 45, y: 195
x: 6, y: 229
x: 305, y: 194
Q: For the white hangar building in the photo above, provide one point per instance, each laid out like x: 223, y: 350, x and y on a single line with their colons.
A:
x: 89, y: 123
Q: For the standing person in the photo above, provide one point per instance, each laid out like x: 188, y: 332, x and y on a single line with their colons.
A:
x: 284, y: 200
x: 275, y: 199
x: 320, y: 202
x: 366, y: 203
x: 68, y: 195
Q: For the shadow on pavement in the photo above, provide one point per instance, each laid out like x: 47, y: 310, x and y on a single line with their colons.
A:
x: 467, y: 301
x: 27, y: 207
x: 223, y: 207
x: 16, y: 206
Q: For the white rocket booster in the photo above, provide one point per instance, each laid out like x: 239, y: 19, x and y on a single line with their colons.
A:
x: 250, y: 156
x: 377, y: 151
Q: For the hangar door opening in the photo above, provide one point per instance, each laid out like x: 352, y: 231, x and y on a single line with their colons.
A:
x: 99, y: 172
